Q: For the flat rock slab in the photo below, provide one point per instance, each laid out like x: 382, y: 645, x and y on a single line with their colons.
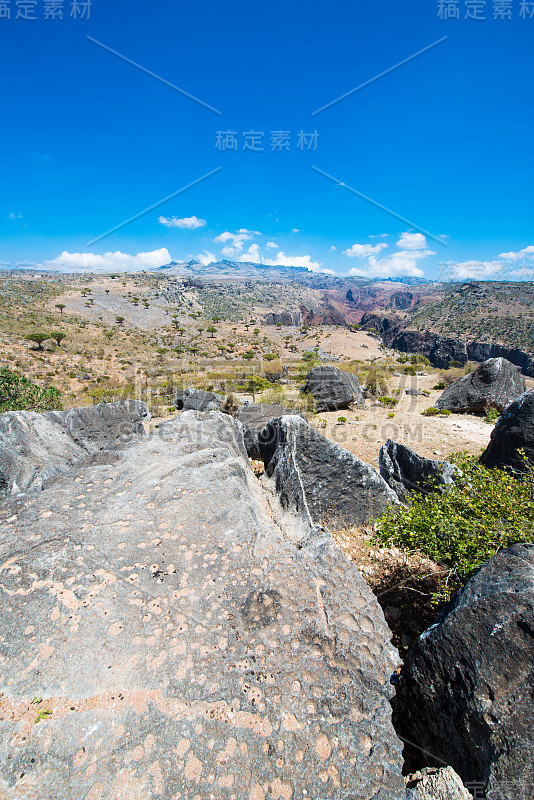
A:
x: 177, y: 647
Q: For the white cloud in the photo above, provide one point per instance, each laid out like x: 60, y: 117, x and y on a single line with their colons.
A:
x: 252, y: 255
x: 271, y: 244
x: 12, y: 216
x: 473, y: 270
x: 402, y: 263
x: 333, y: 247
x: 412, y: 241
x: 108, y: 262
x: 297, y: 261
x: 364, y: 250
x: 295, y: 230
x: 185, y: 222
x: 204, y: 258
x: 526, y: 252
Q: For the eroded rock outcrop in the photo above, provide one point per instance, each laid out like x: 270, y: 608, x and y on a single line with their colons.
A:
x: 466, y: 692
x: 176, y: 645
x: 494, y: 384
x: 408, y: 473
x: 36, y: 447
x: 513, y: 432
x: 333, y: 389
x: 432, y: 783
x: 318, y: 480
x: 254, y: 418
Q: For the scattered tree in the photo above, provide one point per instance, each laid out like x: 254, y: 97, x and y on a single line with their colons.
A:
x: 61, y: 306
x: 38, y: 338
x: 58, y: 336
x: 212, y: 331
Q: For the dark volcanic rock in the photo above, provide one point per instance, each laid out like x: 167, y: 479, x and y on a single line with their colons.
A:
x: 333, y: 389
x: 401, y: 300
x: 254, y: 418
x: 494, y: 384
x: 317, y: 479
x: 466, y: 692
x: 513, y: 431
x: 387, y: 325
x: 36, y: 447
x: 177, y: 645
x: 405, y: 472
x: 197, y: 400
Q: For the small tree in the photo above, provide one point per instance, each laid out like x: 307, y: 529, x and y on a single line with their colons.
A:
x: 59, y: 336
x: 61, y: 306
x: 38, y: 338
x: 119, y: 320
x: 212, y: 331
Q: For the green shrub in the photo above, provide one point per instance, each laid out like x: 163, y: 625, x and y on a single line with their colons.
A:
x: 409, y: 370
x: 484, y: 511
x: 389, y: 402
x: 18, y: 393
x: 341, y: 420
x: 440, y: 385
x: 492, y: 416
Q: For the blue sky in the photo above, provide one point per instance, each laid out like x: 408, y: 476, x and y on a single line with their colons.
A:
x: 89, y: 140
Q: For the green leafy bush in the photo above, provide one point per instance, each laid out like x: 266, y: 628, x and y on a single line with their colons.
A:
x: 18, y: 393
x: 492, y: 416
x: 389, y: 402
x: 485, y: 511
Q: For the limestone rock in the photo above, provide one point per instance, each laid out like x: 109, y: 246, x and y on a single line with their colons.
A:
x: 175, y: 644
x: 407, y: 473
x: 466, y: 692
x: 494, y: 384
x: 254, y: 418
x: 36, y: 447
x: 317, y: 479
x: 514, y: 431
x: 333, y: 389
x: 198, y: 400
x: 436, y: 784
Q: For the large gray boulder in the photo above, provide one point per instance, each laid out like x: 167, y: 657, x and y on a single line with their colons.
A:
x: 317, y: 479
x: 514, y: 431
x: 466, y: 693
x: 36, y: 447
x: 407, y: 473
x: 254, y: 418
x: 333, y: 389
x: 162, y: 639
x: 494, y: 384
x: 197, y: 400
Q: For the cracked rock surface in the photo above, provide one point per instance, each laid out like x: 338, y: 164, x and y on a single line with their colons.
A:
x: 160, y: 639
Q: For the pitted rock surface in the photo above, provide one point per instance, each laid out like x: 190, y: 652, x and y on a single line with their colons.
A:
x: 319, y: 480
x: 494, y: 384
x: 184, y: 648
x: 333, y: 389
x: 36, y: 447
